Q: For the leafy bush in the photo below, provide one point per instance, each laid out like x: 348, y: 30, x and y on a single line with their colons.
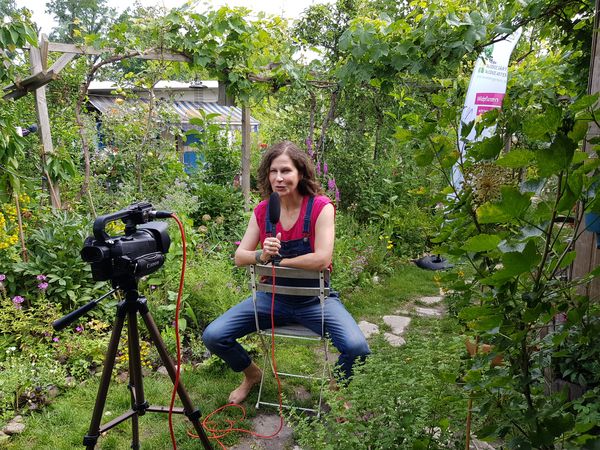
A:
x: 222, y: 203
x: 360, y: 253
x: 403, y: 398
x: 54, y: 252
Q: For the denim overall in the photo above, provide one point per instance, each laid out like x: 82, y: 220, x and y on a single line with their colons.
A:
x: 291, y: 249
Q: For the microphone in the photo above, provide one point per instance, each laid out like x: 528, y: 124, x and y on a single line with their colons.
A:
x: 27, y: 131
x: 274, y: 213
x: 274, y: 209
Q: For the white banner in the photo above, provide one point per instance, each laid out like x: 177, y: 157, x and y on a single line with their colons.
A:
x: 486, y: 91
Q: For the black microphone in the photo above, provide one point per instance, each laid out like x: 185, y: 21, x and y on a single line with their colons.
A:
x: 274, y: 213
x: 30, y: 129
x: 274, y: 209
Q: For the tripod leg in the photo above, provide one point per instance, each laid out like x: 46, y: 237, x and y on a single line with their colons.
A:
x: 192, y: 414
x: 91, y: 438
x: 136, y: 386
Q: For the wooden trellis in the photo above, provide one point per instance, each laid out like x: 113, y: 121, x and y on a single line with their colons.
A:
x: 41, y: 75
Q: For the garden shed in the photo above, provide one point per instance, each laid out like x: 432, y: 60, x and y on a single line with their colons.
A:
x: 183, y: 100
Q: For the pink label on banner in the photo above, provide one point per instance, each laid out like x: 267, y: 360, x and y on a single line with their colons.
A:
x: 484, y: 109
x: 489, y: 98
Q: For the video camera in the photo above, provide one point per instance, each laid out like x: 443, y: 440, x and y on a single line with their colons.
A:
x: 139, y: 252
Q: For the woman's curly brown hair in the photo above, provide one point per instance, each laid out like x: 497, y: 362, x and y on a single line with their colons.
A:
x: 308, y: 184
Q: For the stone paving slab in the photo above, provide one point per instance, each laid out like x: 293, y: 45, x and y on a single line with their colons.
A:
x: 267, y: 424
x: 367, y: 328
x: 397, y: 323
x: 393, y: 340
x: 428, y: 312
x: 431, y: 300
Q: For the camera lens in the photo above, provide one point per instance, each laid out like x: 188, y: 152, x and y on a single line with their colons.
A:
x: 94, y: 254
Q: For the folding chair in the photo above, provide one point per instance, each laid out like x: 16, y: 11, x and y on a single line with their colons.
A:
x: 319, y: 279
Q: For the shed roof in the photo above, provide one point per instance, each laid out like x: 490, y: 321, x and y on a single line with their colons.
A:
x: 231, y: 115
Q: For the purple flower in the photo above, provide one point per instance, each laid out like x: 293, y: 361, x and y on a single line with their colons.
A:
x: 43, y: 286
x: 2, y: 277
x: 319, y: 169
x: 337, y: 195
x: 41, y: 277
x: 17, y: 299
x: 325, y: 169
x: 79, y: 329
x: 152, y: 287
x: 331, y: 184
x: 55, y: 339
x: 309, y: 145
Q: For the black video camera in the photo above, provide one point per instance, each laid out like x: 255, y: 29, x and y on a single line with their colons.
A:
x: 139, y: 252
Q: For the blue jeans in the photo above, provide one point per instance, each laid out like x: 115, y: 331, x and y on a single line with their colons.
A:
x: 221, y: 334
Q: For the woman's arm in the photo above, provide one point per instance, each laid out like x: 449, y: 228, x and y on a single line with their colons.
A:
x: 324, y: 240
x: 246, y: 251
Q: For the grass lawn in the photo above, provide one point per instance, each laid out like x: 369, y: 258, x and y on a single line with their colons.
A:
x: 63, y: 424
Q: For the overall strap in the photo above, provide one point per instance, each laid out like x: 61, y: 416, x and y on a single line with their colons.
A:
x: 309, y: 207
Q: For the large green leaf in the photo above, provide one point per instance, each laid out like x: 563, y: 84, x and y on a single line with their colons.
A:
x: 487, y: 148
x: 515, y: 264
x: 513, y: 204
x: 481, y: 243
x: 557, y: 157
x: 515, y: 159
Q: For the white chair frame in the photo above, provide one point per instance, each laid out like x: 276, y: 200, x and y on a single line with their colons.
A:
x: 294, y: 331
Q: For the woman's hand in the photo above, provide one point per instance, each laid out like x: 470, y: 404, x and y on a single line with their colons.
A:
x: 271, y: 247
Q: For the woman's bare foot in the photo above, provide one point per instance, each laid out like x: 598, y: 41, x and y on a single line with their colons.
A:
x: 252, y: 376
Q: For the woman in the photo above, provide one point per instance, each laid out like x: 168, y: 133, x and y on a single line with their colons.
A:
x: 303, y: 238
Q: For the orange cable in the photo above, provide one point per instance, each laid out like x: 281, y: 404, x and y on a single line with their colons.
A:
x: 219, y: 433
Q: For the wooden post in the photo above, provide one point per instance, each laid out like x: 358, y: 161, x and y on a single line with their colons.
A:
x: 37, y: 65
x: 246, y: 155
x: 588, y: 256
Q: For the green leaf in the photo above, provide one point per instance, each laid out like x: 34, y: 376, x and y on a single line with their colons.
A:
x: 515, y: 159
x: 424, y: 157
x: 513, y: 204
x: 557, y: 157
x: 487, y: 148
x: 482, y: 243
x: 515, y: 264
x: 587, y: 101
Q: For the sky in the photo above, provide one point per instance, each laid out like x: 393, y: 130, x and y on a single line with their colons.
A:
x: 286, y: 8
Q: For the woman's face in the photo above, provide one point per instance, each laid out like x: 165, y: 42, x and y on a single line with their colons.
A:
x: 283, y: 175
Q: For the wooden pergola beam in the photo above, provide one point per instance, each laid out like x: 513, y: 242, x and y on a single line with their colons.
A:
x: 152, y: 54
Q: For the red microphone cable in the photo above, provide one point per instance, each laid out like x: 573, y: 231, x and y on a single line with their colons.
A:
x: 177, y: 338
x: 219, y: 433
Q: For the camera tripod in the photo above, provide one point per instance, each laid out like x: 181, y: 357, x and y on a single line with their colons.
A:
x: 129, y: 308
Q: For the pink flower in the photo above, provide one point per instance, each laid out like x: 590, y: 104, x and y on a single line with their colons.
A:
x: 237, y: 242
x: 43, y: 286
x: 41, y: 277
x: 2, y: 277
x: 55, y: 339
